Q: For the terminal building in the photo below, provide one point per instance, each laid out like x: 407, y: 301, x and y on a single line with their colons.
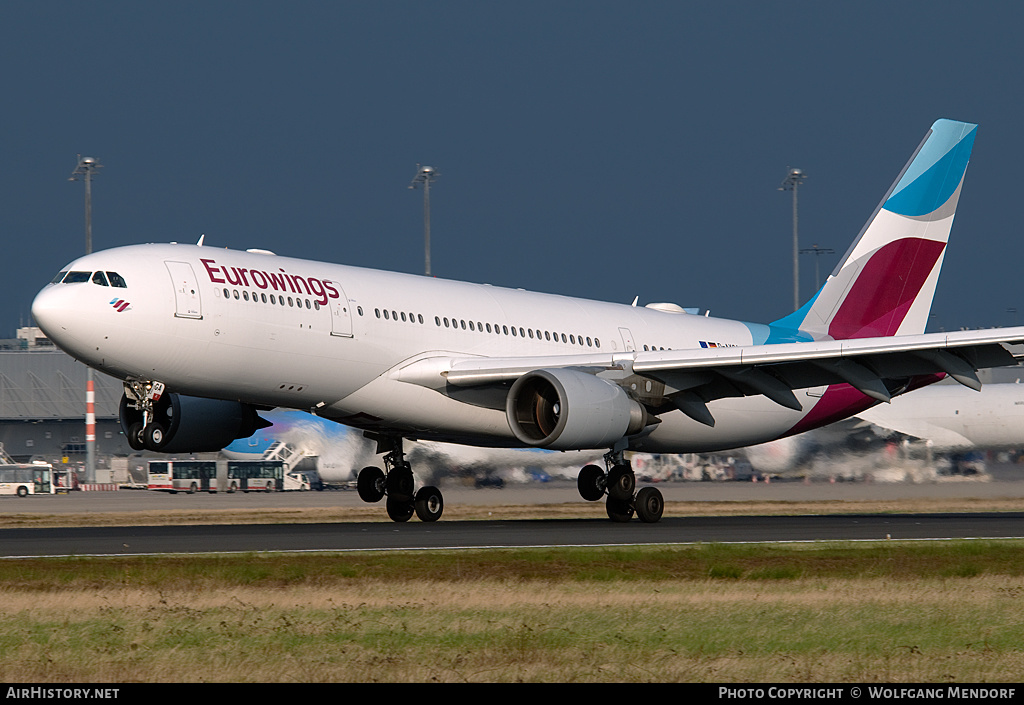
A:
x: 42, y: 405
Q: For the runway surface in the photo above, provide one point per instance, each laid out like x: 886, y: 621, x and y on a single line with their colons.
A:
x: 386, y: 535
x: 477, y: 534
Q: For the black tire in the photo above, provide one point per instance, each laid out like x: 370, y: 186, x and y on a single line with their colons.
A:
x: 400, y: 510
x: 649, y: 505
x: 233, y: 488
x: 370, y: 484
x: 591, y: 483
x: 429, y: 504
x: 619, y: 510
x: 192, y: 488
x: 22, y: 491
x: 154, y: 437
x: 621, y: 482
x: 134, y: 436
x: 400, y: 483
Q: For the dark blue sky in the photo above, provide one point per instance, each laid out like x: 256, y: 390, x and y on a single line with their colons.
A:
x: 596, y: 149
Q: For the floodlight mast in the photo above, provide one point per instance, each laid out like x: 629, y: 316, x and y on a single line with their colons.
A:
x: 425, y: 175
x: 790, y: 183
x: 817, y: 252
x: 85, y: 169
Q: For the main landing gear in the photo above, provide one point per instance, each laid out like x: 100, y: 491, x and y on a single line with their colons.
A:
x: 397, y: 484
x: 619, y: 484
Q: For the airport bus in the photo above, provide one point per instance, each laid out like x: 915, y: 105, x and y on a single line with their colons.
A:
x: 255, y: 475
x: 183, y: 476
x: 212, y: 476
x: 23, y: 480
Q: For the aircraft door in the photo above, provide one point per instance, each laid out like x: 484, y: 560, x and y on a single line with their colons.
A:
x: 341, y: 314
x: 627, y: 340
x: 186, y: 290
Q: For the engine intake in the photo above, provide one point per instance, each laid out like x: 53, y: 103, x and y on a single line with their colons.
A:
x: 566, y: 409
x: 194, y: 424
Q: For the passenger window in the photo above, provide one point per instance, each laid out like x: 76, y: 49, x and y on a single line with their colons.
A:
x: 98, y: 278
x: 117, y: 280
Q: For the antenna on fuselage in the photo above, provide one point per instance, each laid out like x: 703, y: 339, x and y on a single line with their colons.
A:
x: 201, y: 238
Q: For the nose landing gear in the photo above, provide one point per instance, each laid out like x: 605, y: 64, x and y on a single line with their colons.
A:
x: 147, y: 431
x: 619, y: 484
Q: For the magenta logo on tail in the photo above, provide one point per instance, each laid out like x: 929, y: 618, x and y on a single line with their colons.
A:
x: 120, y: 305
x: 886, y: 288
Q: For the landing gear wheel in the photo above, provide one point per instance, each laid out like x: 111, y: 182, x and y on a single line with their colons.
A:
x: 400, y: 482
x: 619, y: 510
x: 591, y: 483
x: 134, y: 436
x: 370, y: 484
x: 429, y: 504
x: 649, y: 505
x: 621, y: 482
x: 154, y: 437
x: 399, y: 509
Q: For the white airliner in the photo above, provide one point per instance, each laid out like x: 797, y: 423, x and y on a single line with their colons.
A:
x: 205, y: 338
x: 951, y: 418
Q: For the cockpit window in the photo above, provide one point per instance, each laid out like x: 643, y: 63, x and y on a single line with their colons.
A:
x: 117, y: 280
x: 77, y: 277
x: 99, y: 278
x: 60, y: 275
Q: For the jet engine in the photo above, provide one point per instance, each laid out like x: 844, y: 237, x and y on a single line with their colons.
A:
x: 184, y: 424
x: 566, y: 409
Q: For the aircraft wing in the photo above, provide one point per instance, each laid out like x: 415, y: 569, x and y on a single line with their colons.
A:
x: 693, y: 377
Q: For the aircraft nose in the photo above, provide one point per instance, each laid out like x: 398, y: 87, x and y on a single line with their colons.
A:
x: 50, y: 312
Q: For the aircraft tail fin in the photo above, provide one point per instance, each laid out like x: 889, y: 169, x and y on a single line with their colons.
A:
x: 885, y: 283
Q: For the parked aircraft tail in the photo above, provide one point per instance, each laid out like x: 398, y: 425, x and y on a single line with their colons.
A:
x: 885, y: 283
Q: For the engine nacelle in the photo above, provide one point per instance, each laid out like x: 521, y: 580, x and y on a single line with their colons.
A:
x: 193, y: 424
x: 566, y: 409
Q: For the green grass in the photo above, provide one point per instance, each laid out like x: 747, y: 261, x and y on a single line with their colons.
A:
x: 888, y: 611
x: 644, y: 564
